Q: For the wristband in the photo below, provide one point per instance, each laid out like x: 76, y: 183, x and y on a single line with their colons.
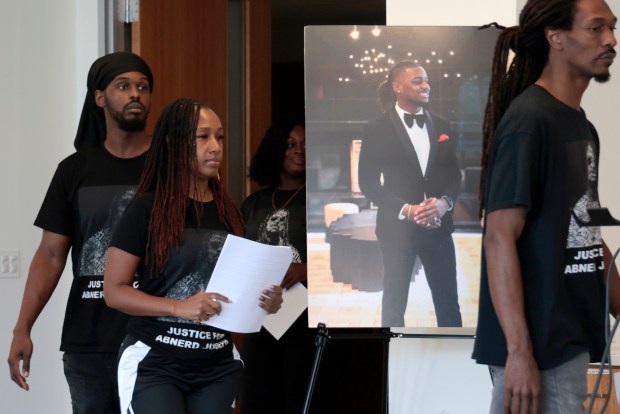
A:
x: 449, y: 201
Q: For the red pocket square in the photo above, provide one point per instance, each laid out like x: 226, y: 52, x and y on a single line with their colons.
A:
x: 443, y: 137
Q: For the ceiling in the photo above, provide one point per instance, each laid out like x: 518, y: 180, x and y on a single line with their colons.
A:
x: 289, y: 17
x: 305, y: 12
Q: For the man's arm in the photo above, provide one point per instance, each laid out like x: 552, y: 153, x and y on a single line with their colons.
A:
x: 372, y: 165
x: 369, y: 168
x: 120, y: 294
x: 522, y: 385
x: 46, y: 268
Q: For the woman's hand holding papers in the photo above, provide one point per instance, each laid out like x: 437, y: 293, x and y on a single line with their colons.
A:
x: 271, y: 299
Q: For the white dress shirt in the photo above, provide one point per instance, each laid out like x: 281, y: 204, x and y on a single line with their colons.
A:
x: 421, y: 144
x: 418, y: 137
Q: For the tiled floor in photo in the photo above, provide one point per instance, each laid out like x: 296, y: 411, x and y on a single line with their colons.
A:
x: 339, y: 305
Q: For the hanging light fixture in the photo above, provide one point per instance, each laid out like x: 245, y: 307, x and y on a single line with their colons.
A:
x: 355, y: 34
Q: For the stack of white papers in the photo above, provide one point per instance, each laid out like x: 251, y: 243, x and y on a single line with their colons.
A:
x: 244, y: 269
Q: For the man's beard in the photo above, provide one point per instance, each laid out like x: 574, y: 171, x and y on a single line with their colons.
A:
x: 420, y: 104
x: 602, y: 77
x: 134, y: 124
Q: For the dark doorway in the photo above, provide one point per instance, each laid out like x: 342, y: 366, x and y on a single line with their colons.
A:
x: 288, y: 21
x: 353, y: 373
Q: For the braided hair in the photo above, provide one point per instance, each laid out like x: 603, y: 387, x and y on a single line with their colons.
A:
x: 169, y: 166
x: 386, y: 97
x: 529, y: 44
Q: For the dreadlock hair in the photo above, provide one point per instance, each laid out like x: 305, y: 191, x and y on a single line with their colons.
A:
x: 168, y: 171
x: 266, y: 164
x: 531, y: 53
x: 385, y: 94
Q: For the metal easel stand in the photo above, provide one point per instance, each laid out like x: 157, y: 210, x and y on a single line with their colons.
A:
x: 385, y: 335
x: 602, y: 217
x: 321, y: 340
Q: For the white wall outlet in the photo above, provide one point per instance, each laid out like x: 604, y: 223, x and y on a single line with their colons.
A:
x: 9, y: 263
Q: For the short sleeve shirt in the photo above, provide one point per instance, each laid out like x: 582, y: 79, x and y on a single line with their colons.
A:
x: 545, y: 158
x: 186, y: 272
x: 86, y: 198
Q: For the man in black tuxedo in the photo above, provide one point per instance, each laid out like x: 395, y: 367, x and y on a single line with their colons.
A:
x: 408, y: 168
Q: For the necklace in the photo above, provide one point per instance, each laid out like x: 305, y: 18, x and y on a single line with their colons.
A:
x: 273, y: 196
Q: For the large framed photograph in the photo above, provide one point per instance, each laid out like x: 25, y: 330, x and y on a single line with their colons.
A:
x: 392, y: 203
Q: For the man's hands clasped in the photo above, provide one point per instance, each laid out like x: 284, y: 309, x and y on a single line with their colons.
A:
x: 428, y: 213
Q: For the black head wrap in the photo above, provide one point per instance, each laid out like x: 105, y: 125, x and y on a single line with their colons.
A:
x: 91, y: 130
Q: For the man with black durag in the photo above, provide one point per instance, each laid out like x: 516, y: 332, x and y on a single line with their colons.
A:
x: 87, y: 195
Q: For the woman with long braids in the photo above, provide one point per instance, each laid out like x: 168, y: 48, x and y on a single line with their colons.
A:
x: 171, y: 236
x: 542, y: 312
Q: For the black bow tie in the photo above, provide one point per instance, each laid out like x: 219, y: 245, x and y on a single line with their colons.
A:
x: 419, y: 119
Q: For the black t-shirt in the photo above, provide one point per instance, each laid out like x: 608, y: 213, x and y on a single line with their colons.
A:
x: 87, y: 196
x: 186, y: 272
x: 283, y: 227
x: 545, y: 157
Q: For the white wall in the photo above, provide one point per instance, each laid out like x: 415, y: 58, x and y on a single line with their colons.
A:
x: 438, y: 375
x: 46, y: 48
x: 450, y: 12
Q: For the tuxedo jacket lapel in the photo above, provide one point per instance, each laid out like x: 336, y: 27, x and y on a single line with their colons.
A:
x: 432, y: 136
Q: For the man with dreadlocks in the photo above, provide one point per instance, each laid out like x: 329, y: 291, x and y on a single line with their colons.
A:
x: 411, y: 172
x: 171, y: 235
x: 542, y: 294
x: 86, y: 197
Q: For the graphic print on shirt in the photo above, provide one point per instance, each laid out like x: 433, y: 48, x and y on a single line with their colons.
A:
x: 196, y: 280
x: 584, y: 245
x: 112, y: 202
x: 274, y: 231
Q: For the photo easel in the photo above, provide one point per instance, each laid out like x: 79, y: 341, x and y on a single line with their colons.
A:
x: 385, y: 336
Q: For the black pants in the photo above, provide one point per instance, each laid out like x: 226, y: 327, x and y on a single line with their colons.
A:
x: 277, y: 373
x: 92, y: 382
x: 437, y: 255
x: 150, y: 383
